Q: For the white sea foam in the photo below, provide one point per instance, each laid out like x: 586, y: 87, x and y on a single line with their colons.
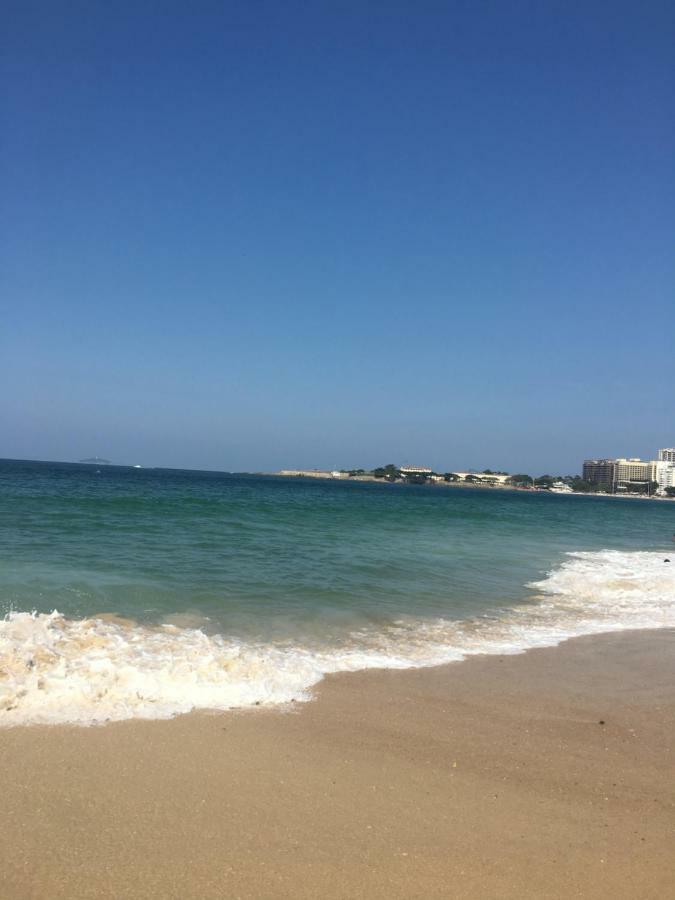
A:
x: 55, y: 670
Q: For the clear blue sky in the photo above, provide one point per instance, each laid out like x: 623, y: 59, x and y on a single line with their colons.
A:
x: 255, y: 235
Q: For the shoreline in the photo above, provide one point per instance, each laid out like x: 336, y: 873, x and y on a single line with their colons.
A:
x: 542, y: 774
x: 325, y: 476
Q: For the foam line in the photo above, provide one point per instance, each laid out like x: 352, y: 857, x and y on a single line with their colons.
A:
x: 90, y: 671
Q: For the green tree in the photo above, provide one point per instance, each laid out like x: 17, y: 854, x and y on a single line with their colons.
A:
x: 390, y: 471
x: 642, y: 487
x: 415, y: 478
x: 520, y: 480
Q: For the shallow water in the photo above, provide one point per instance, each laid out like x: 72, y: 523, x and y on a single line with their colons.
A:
x: 235, y: 590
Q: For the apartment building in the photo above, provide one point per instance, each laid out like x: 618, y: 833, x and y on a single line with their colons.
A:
x: 599, y: 471
x: 633, y: 469
x: 664, y: 474
x: 619, y: 474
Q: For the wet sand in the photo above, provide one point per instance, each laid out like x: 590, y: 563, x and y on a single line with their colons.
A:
x: 545, y: 775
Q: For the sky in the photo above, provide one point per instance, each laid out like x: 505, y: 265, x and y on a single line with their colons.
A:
x: 263, y: 235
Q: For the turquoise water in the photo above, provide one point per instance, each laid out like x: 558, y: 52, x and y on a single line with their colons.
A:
x: 305, y: 565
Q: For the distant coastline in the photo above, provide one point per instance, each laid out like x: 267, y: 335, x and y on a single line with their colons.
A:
x: 390, y: 475
x: 439, y: 481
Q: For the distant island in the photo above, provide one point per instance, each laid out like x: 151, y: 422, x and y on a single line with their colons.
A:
x: 96, y: 460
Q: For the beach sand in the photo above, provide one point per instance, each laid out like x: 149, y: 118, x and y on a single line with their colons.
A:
x: 549, y: 774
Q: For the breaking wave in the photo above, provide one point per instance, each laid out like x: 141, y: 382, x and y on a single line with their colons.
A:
x: 55, y: 670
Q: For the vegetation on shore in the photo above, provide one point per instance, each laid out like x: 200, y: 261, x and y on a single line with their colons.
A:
x: 576, y: 483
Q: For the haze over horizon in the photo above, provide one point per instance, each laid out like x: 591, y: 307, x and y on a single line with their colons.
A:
x: 441, y: 468
x: 261, y: 237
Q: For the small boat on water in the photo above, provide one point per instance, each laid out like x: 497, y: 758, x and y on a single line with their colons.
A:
x: 559, y: 487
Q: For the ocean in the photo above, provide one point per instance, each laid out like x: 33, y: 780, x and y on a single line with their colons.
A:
x: 145, y: 593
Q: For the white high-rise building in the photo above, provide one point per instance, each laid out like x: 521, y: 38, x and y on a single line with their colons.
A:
x: 664, y: 475
x: 667, y: 455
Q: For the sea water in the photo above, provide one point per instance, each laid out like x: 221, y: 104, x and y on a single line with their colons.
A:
x: 143, y: 593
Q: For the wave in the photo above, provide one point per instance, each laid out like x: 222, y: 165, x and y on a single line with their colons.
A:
x: 54, y: 670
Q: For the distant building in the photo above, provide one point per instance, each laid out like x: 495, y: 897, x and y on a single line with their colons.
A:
x: 415, y: 470
x: 619, y: 474
x: 664, y: 474
x: 634, y: 469
x: 599, y: 471
x: 483, y: 477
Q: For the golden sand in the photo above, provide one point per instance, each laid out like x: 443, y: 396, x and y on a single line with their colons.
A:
x: 546, y: 775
